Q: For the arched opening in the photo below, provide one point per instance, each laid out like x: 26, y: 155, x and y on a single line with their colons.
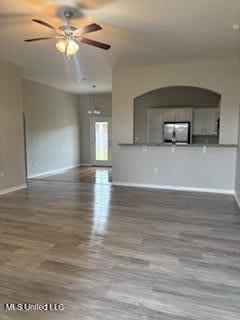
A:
x: 198, y: 106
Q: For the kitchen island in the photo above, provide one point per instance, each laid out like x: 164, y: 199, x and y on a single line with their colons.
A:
x: 189, y: 167
x: 192, y: 145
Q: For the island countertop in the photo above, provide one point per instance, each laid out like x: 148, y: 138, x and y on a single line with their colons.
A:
x: 194, y: 145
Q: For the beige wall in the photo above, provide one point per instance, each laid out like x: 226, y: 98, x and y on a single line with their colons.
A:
x: 52, y: 128
x: 104, y: 102
x: 221, y: 76
x: 12, y: 164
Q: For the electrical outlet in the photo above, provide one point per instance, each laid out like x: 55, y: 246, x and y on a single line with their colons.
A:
x: 155, y: 170
x: 1, y: 174
x: 67, y: 157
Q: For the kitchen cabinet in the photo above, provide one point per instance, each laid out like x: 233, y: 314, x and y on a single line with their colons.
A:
x: 178, y: 114
x: 204, y: 121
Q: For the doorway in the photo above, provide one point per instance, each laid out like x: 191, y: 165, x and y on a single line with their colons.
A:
x: 101, y: 141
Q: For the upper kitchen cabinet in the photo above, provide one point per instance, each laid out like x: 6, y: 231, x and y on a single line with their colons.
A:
x: 205, y: 121
x: 178, y: 114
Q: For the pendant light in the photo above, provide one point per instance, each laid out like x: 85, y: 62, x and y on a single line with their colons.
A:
x: 94, y: 110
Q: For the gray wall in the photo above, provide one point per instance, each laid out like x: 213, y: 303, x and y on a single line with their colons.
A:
x: 52, y: 128
x: 237, y: 182
x: 184, y: 169
x: 104, y: 102
x: 12, y: 163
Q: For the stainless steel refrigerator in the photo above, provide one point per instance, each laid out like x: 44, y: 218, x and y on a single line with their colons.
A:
x: 177, y: 132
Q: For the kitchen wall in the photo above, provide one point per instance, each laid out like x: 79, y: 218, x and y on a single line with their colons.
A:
x: 52, y: 128
x: 104, y: 102
x: 12, y: 162
x: 221, y: 76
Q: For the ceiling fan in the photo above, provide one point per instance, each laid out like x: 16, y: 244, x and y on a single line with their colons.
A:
x: 69, y: 36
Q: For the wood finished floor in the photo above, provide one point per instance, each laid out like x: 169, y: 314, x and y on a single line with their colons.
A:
x: 88, y: 174
x: 119, y: 253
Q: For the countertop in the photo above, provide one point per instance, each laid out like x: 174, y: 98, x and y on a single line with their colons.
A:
x: 197, y: 145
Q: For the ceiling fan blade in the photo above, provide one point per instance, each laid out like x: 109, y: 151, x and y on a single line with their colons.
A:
x: 87, y: 29
x: 95, y: 43
x: 44, y: 23
x: 39, y: 39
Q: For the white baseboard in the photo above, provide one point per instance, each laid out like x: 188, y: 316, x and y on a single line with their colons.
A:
x: 13, y: 189
x: 85, y: 164
x: 237, y: 200
x: 166, y: 187
x: 48, y: 173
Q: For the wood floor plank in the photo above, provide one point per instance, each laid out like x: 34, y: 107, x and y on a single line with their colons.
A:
x: 116, y: 253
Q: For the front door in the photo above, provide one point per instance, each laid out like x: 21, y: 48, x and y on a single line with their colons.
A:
x: 101, y: 141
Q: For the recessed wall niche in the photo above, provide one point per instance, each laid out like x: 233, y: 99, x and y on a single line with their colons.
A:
x: 198, y: 106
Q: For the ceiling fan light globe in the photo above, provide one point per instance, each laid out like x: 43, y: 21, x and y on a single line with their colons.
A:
x: 61, y: 45
x: 72, y: 47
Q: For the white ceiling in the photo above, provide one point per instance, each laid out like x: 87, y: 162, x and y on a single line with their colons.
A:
x: 141, y: 32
